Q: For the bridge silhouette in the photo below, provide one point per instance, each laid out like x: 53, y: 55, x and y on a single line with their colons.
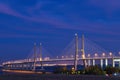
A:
x: 80, y: 51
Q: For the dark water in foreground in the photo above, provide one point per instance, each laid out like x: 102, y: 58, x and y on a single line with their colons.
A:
x: 19, y: 76
x: 23, y: 76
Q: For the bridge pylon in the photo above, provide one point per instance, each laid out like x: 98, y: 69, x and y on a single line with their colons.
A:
x: 76, y: 51
x: 34, y: 57
x: 41, y: 56
x: 83, y: 52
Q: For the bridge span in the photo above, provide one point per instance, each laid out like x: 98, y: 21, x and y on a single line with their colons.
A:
x: 78, y: 58
x: 29, y: 63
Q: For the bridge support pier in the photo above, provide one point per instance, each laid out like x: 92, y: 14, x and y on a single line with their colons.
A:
x: 93, y: 62
x: 101, y: 63
x: 89, y: 63
x: 113, y: 63
x: 119, y: 64
x: 106, y: 62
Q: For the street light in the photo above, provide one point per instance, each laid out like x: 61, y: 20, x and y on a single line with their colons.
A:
x: 103, y: 54
x: 119, y: 52
x: 110, y: 54
x: 88, y: 55
x: 96, y: 55
x: 62, y: 57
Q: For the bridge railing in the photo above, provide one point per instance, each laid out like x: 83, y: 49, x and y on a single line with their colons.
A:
x: 56, y: 59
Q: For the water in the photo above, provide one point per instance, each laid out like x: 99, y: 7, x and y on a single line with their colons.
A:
x: 1, y: 71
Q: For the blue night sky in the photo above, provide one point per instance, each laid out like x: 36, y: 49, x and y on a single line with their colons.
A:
x: 54, y: 23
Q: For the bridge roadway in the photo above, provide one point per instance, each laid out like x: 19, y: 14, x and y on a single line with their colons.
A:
x: 62, y: 61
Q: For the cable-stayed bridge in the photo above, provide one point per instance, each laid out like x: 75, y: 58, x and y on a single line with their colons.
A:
x: 81, y: 51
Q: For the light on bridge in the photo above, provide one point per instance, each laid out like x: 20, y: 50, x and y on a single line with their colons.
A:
x: 96, y: 55
x: 88, y: 55
x: 119, y: 52
x: 103, y: 54
x: 46, y: 58
x: 73, y: 68
x: 40, y: 59
x: 62, y: 57
x: 83, y: 56
x: 110, y: 54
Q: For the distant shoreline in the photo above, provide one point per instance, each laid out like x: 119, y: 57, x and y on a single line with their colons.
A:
x: 23, y: 72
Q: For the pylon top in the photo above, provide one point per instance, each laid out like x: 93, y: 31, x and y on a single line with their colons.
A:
x: 76, y: 34
x: 40, y: 44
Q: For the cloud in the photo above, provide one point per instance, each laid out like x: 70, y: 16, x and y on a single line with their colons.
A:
x: 108, y: 5
x: 17, y: 36
x: 7, y: 10
x: 31, y: 29
x: 82, y: 25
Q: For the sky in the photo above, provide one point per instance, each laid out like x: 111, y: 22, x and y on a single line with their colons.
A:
x: 54, y: 23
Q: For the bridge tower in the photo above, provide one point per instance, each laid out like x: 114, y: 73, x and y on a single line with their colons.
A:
x: 83, y: 53
x: 34, y: 57
x: 76, y: 52
x: 41, y: 56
